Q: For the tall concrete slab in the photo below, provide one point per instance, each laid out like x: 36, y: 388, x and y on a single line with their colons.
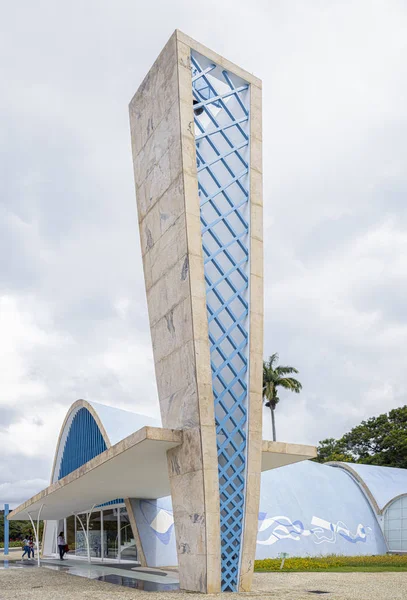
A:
x: 196, y: 141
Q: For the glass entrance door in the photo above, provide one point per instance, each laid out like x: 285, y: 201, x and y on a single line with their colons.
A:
x: 110, y: 533
x: 95, y: 534
x: 80, y: 540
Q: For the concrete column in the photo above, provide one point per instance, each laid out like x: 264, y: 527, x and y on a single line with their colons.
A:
x: 140, y: 550
x: 256, y: 328
x: 168, y: 210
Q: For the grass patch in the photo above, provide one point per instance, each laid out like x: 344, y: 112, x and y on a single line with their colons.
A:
x: 339, y: 570
x: 11, y: 545
x: 334, y: 564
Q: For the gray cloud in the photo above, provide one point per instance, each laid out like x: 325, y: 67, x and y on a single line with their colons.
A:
x: 7, y: 415
x: 73, y: 317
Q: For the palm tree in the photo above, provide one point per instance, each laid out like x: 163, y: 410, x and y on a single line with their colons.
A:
x: 274, y: 377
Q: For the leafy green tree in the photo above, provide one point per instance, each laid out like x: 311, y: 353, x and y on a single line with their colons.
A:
x: 274, y: 377
x: 18, y: 529
x: 333, y: 450
x: 379, y: 440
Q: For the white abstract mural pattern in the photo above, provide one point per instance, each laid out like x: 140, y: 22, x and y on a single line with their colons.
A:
x: 322, y: 531
x: 276, y: 528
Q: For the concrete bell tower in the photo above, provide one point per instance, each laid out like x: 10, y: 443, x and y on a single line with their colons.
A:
x: 197, y: 150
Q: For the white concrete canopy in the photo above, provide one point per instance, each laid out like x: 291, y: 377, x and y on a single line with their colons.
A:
x: 279, y: 454
x: 135, y: 467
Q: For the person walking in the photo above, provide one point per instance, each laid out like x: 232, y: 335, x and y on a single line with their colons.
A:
x: 26, y: 547
x: 61, y: 545
x: 30, y: 547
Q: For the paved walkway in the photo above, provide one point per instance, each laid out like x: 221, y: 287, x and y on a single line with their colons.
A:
x: 14, y: 554
x: 45, y: 584
x: 125, y: 574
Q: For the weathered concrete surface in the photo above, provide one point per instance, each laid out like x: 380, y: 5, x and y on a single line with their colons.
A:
x: 278, y: 454
x: 256, y: 327
x: 163, y: 144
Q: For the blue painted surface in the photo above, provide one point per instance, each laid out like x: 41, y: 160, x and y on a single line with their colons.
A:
x: 117, y: 501
x: 313, y: 509
x: 155, y: 524
x: 384, y: 483
x: 222, y: 148
x: 6, y: 530
x: 306, y: 509
x: 83, y: 443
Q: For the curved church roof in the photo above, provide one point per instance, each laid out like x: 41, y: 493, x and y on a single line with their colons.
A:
x: 310, y: 508
x: 120, y: 423
x: 98, y: 427
x: 381, y: 484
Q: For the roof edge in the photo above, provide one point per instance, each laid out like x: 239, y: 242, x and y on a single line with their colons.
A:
x: 217, y: 58
x: 157, y: 434
x: 348, y: 469
x: 75, y: 407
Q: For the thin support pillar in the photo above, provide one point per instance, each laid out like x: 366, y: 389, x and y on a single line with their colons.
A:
x: 36, y: 531
x: 86, y: 531
x: 6, y: 530
x: 119, y: 540
x: 102, y: 541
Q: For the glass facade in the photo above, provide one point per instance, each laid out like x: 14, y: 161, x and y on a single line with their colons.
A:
x: 395, y: 525
x: 110, y: 534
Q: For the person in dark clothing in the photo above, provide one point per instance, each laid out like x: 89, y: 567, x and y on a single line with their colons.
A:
x: 61, y: 545
x: 31, y: 547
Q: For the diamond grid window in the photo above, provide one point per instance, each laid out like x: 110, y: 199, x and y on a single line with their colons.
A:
x: 221, y: 107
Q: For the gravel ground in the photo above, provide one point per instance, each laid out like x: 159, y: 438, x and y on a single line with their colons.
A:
x: 44, y: 584
x: 342, y: 586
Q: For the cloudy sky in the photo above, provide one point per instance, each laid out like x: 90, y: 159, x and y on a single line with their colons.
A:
x: 73, y: 317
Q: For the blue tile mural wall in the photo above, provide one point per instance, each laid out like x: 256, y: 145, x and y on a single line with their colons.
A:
x: 306, y: 509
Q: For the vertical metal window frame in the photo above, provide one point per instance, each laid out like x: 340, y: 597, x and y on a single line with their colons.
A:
x: 119, y: 550
x: 83, y: 442
x: 102, y: 541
